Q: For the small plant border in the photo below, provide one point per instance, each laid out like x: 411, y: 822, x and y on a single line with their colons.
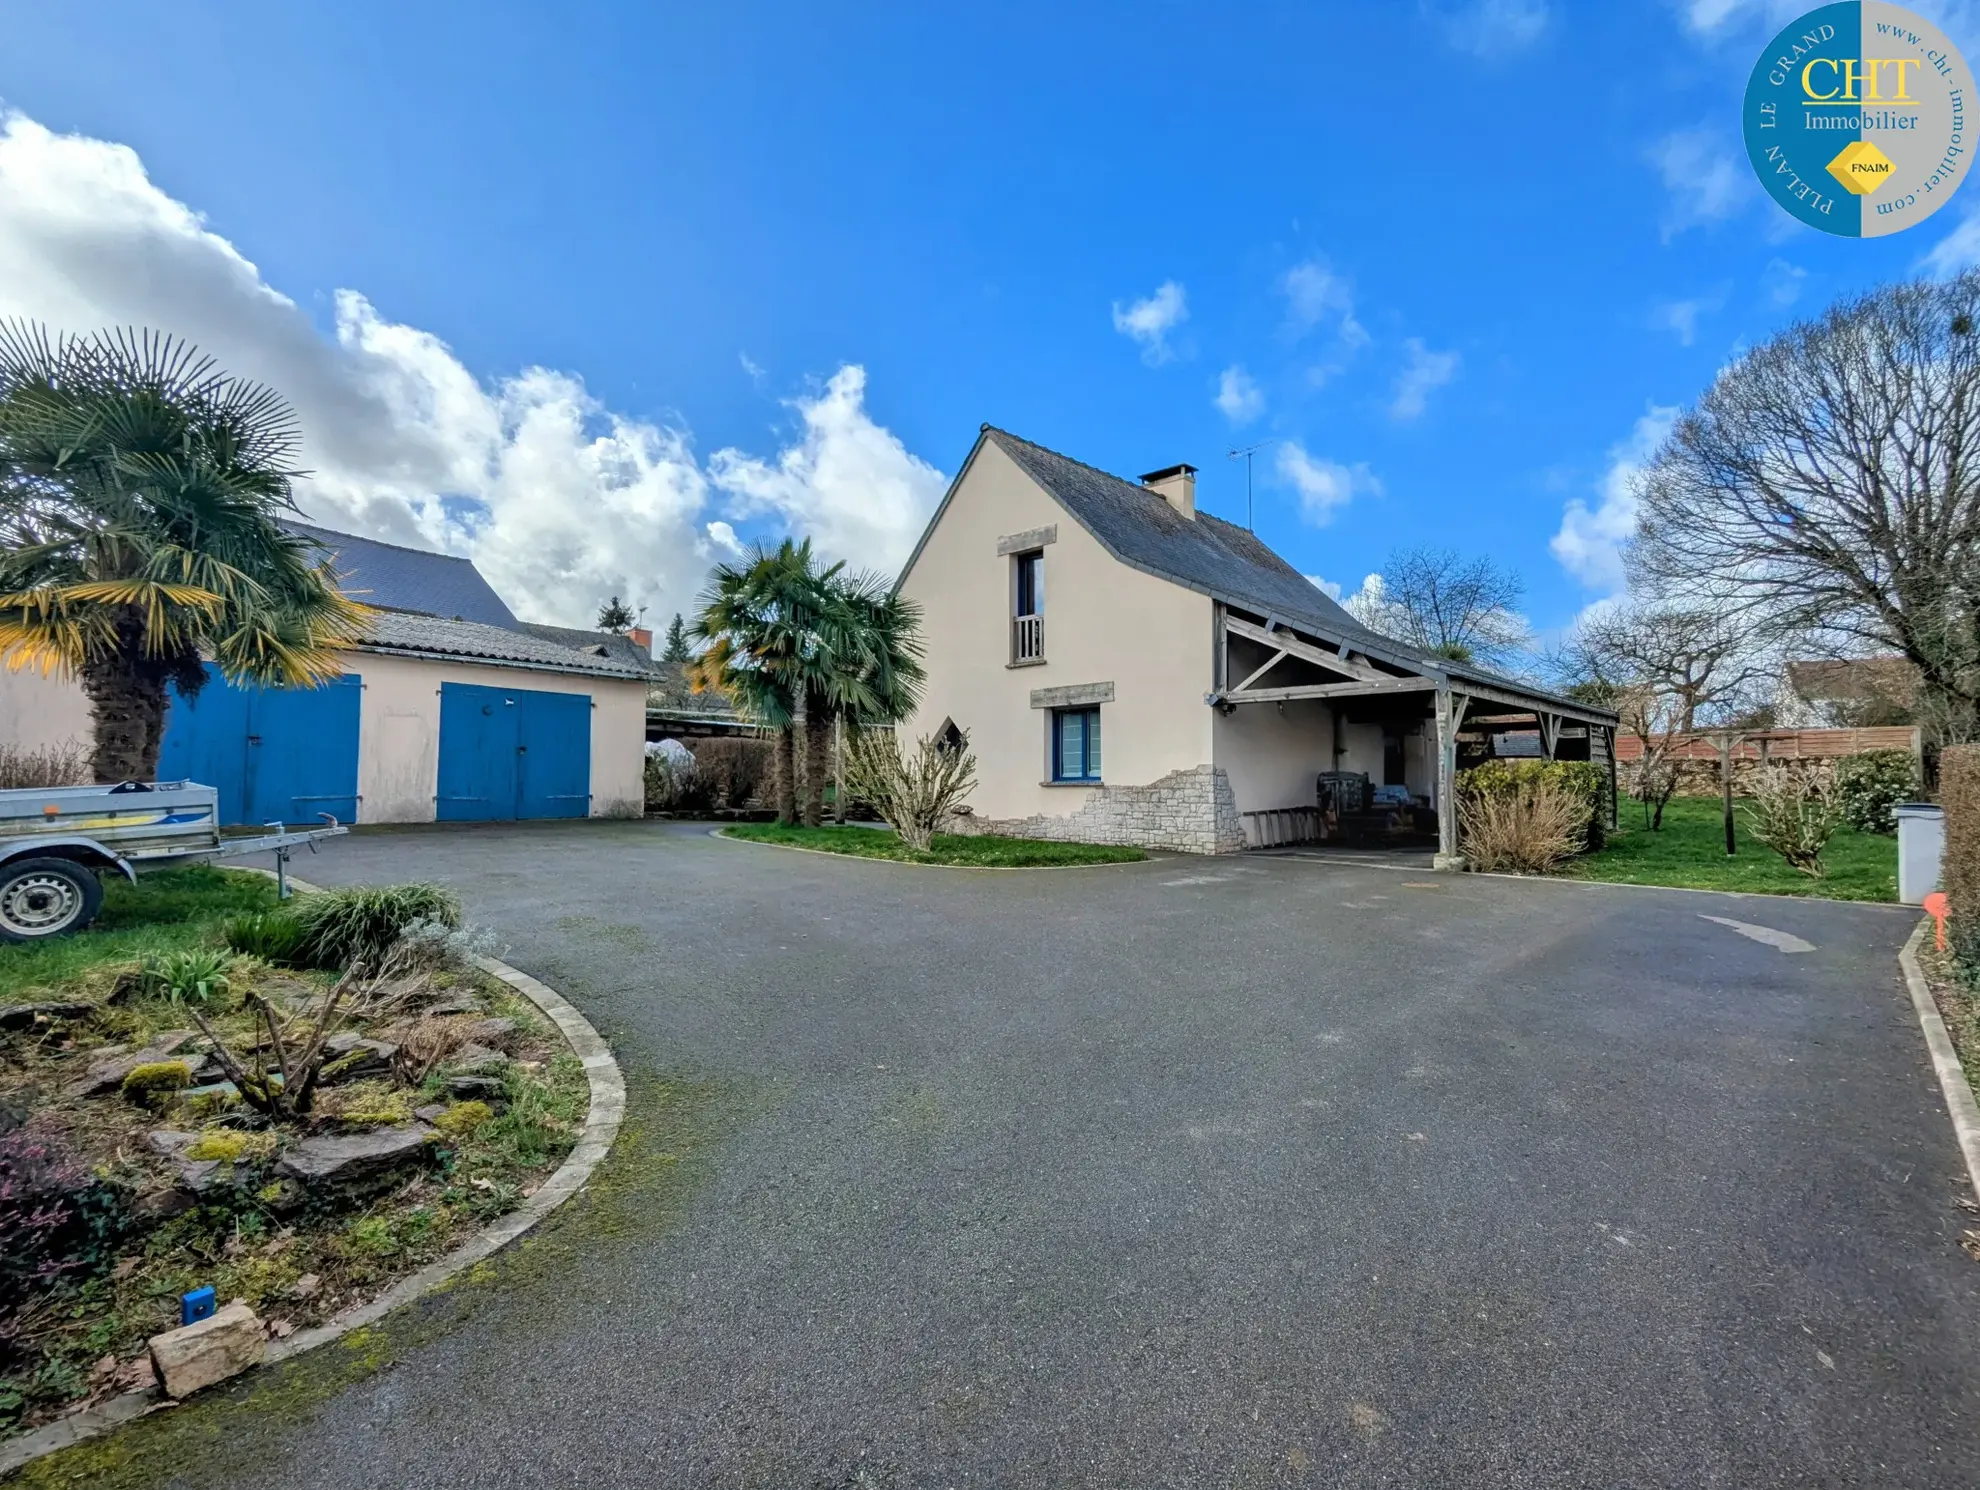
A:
x: 825, y: 853
x: 601, y: 1128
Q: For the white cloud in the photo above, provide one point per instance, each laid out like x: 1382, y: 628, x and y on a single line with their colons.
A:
x: 1315, y: 294
x: 1590, y: 541
x: 1680, y: 318
x: 1322, y: 484
x: 1958, y: 250
x: 1369, y: 594
x: 1492, y: 29
x: 558, y: 499
x: 852, y: 485
x: 1150, y: 321
x: 1239, y: 397
x: 1783, y: 281
x: 1706, y: 180
x: 1425, y: 372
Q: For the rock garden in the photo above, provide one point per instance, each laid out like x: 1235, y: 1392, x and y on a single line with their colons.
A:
x: 293, y: 1105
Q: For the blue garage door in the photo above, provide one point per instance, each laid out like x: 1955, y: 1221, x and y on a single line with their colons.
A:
x: 508, y: 753
x: 276, y: 754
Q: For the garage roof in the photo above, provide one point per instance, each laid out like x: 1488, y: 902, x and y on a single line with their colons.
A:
x: 399, y: 633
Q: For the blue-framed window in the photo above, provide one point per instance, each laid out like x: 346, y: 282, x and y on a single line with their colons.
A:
x: 1075, y: 744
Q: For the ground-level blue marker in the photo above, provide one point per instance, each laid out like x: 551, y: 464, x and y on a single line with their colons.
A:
x: 196, y: 1305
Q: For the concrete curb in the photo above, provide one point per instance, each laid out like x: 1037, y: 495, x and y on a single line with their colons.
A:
x: 825, y: 853
x: 1953, y: 1085
x: 601, y: 1127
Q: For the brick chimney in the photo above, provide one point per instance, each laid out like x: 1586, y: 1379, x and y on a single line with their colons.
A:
x: 642, y: 638
x: 1177, y: 486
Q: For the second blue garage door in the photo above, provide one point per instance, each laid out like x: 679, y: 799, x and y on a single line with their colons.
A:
x: 508, y: 753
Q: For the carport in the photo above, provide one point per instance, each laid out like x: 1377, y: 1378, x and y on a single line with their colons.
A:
x: 1356, y: 703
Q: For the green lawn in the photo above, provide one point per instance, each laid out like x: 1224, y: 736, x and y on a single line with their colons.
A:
x: 162, y: 912
x: 980, y: 852
x: 1690, y: 852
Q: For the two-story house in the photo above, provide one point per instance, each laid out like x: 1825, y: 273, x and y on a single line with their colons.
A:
x: 1131, y: 670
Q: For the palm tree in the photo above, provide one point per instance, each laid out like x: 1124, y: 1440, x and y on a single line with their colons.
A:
x: 801, y: 649
x: 140, y: 497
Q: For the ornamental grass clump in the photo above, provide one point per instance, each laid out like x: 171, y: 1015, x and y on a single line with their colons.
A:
x: 1533, y: 829
x: 1795, y: 812
x: 917, y: 792
x: 358, y: 924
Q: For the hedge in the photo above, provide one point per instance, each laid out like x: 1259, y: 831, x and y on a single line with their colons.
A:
x: 1583, y: 779
x: 1959, y: 794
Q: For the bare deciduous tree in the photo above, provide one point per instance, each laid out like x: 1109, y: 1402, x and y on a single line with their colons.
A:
x: 1446, y: 605
x: 1675, y: 674
x: 1829, y: 485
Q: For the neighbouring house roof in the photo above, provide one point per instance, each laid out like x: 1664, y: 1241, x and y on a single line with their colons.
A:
x: 392, y: 577
x: 403, y: 634
x: 1219, y: 559
x: 670, y: 694
x: 595, y: 643
x: 1854, y: 679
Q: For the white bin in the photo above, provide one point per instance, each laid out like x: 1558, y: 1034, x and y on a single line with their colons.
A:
x: 1921, y: 844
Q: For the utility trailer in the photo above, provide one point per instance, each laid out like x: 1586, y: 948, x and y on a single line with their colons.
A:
x: 56, y: 842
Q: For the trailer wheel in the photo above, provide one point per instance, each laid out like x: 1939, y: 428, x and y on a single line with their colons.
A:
x: 46, y: 897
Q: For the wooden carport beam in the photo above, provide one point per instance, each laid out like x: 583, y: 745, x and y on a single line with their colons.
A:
x: 1450, y: 719
x: 1339, y: 662
x: 1323, y: 690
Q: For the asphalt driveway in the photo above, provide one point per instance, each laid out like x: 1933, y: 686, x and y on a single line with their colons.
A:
x: 1181, y: 1173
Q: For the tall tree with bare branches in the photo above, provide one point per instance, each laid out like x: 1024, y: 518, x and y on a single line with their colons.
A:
x: 1466, y: 610
x: 1828, y: 486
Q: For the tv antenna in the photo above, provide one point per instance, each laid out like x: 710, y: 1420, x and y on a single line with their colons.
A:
x: 1245, y: 455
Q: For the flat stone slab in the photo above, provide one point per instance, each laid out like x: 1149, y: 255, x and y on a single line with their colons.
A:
x: 475, y: 1060
x: 108, y: 1075
x: 198, y: 1355
x: 344, y: 1158
x: 26, y: 1016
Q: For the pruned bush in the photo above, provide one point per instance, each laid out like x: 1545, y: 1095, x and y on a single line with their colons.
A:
x: 729, y: 771
x: 917, y: 791
x: 1583, y: 782
x: 433, y: 946
x: 1959, y: 794
x: 1795, y: 811
x: 1873, y: 783
x: 1531, y: 825
x: 357, y: 924
x: 275, y: 937
x: 66, y: 764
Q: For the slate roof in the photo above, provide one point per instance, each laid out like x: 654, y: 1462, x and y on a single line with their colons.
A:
x: 391, y: 577
x: 614, y: 645
x: 406, y: 634
x: 1221, y: 560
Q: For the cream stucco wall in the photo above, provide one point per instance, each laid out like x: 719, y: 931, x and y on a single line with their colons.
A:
x: 399, y: 734
x: 1273, y: 757
x: 37, y: 712
x: 1104, y: 623
x: 398, y: 729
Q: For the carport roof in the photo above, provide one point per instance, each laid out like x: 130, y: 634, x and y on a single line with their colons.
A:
x: 399, y: 633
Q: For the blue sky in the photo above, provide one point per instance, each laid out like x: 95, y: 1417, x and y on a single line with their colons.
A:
x: 1460, y: 255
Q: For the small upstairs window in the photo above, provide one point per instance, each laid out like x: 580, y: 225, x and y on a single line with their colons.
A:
x: 1076, y: 744
x: 1028, y: 607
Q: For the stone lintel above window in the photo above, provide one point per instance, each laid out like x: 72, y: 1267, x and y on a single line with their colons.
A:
x: 1019, y: 543
x: 1072, y: 696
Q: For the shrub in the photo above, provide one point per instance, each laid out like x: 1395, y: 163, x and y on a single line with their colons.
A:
x: 40, y: 1207
x: 66, y: 764
x: 357, y: 924
x: 432, y: 946
x: 1532, y: 826
x: 1959, y: 794
x: 916, y: 793
x: 1872, y: 783
x: 1585, y: 784
x: 730, y: 770
x: 153, y: 1083
x: 1795, y: 811
x: 197, y: 975
x: 276, y: 937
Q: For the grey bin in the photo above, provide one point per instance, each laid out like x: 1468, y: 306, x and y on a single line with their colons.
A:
x: 1921, y: 844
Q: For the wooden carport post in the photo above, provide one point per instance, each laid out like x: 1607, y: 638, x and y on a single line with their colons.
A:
x: 1450, y: 719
